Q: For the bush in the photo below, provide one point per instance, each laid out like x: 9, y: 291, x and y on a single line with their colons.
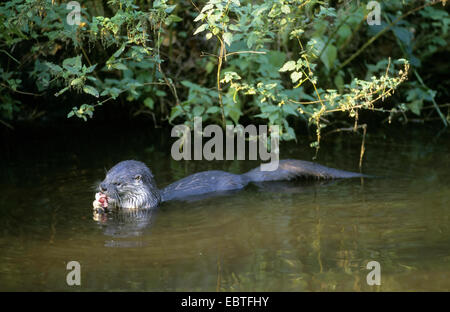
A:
x: 269, y: 61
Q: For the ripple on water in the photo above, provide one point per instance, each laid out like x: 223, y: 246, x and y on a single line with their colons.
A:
x: 295, y: 236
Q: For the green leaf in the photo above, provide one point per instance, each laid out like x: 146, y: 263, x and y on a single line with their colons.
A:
x: 234, y: 114
x: 276, y: 58
x: 207, y: 7
x: 295, y: 76
x: 228, y: 38
x: 170, y: 8
x: 160, y: 93
x: 119, y: 52
x: 285, y: 9
x: 198, y: 110
x: 213, y: 110
x: 290, y: 135
x: 119, y: 66
x: 90, y: 69
x: 289, y: 109
x: 403, y: 34
x: 174, y: 18
x: 61, y: 91
x: 288, y: 66
x: 90, y: 90
x: 54, y: 67
x: 344, y: 31
x: 201, y: 28
x: 268, y: 108
x: 73, y: 62
x: 415, y: 106
x: 251, y: 39
x: 176, y: 111
x: 199, y: 17
x: 149, y: 103
x: 339, y: 81
x: 76, y: 82
x: 329, y: 56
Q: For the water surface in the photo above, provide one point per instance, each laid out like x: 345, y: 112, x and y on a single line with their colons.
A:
x: 280, y: 237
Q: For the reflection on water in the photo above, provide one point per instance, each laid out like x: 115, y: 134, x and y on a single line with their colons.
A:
x: 267, y: 237
x: 124, y: 225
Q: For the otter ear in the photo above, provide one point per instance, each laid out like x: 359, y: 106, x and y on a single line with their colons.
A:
x: 138, y: 177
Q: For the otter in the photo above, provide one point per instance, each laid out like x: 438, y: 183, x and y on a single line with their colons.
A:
x: 131, y: 184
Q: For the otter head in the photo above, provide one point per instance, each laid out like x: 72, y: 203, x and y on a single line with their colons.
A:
x: 130, y: 184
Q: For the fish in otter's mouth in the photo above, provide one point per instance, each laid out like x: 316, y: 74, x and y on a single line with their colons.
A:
x: 129, y: 184
x: 101, y: 201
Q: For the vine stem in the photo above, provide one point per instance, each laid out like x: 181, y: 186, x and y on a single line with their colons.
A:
x: 354, y: 129
x: 333, y: 34
x: 363, y: 146
x: 21, y: 92
x: 219, y: 67
x: 6, y: 124
x: 310, y: 72
x: 241, y: 52
x: 323, y: 108
x: 222, y: 54
x: 170, y: 84
x: 12, y: 57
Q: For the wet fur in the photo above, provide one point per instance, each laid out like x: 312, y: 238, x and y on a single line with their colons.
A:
x: 130, y: 183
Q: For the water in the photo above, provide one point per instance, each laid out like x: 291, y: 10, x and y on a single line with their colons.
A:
x: 283, y: 237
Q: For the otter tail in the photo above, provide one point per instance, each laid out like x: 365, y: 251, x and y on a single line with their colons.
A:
x: 290, y: 169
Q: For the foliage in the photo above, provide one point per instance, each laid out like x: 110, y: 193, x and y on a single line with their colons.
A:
x: 270, y: 61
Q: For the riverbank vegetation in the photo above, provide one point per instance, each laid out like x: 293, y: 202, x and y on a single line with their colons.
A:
x: 277, y: 62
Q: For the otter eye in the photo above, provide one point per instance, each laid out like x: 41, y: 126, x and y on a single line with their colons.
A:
x: 138, y: 177
x: 117, y: 183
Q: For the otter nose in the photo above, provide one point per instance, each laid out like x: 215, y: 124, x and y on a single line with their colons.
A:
x: 103, y: 187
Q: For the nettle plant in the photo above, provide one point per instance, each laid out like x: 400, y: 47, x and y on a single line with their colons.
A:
x: 138, y: 35
x: 117, y: 55
x: 271, y: 61
x: 251, y: 67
